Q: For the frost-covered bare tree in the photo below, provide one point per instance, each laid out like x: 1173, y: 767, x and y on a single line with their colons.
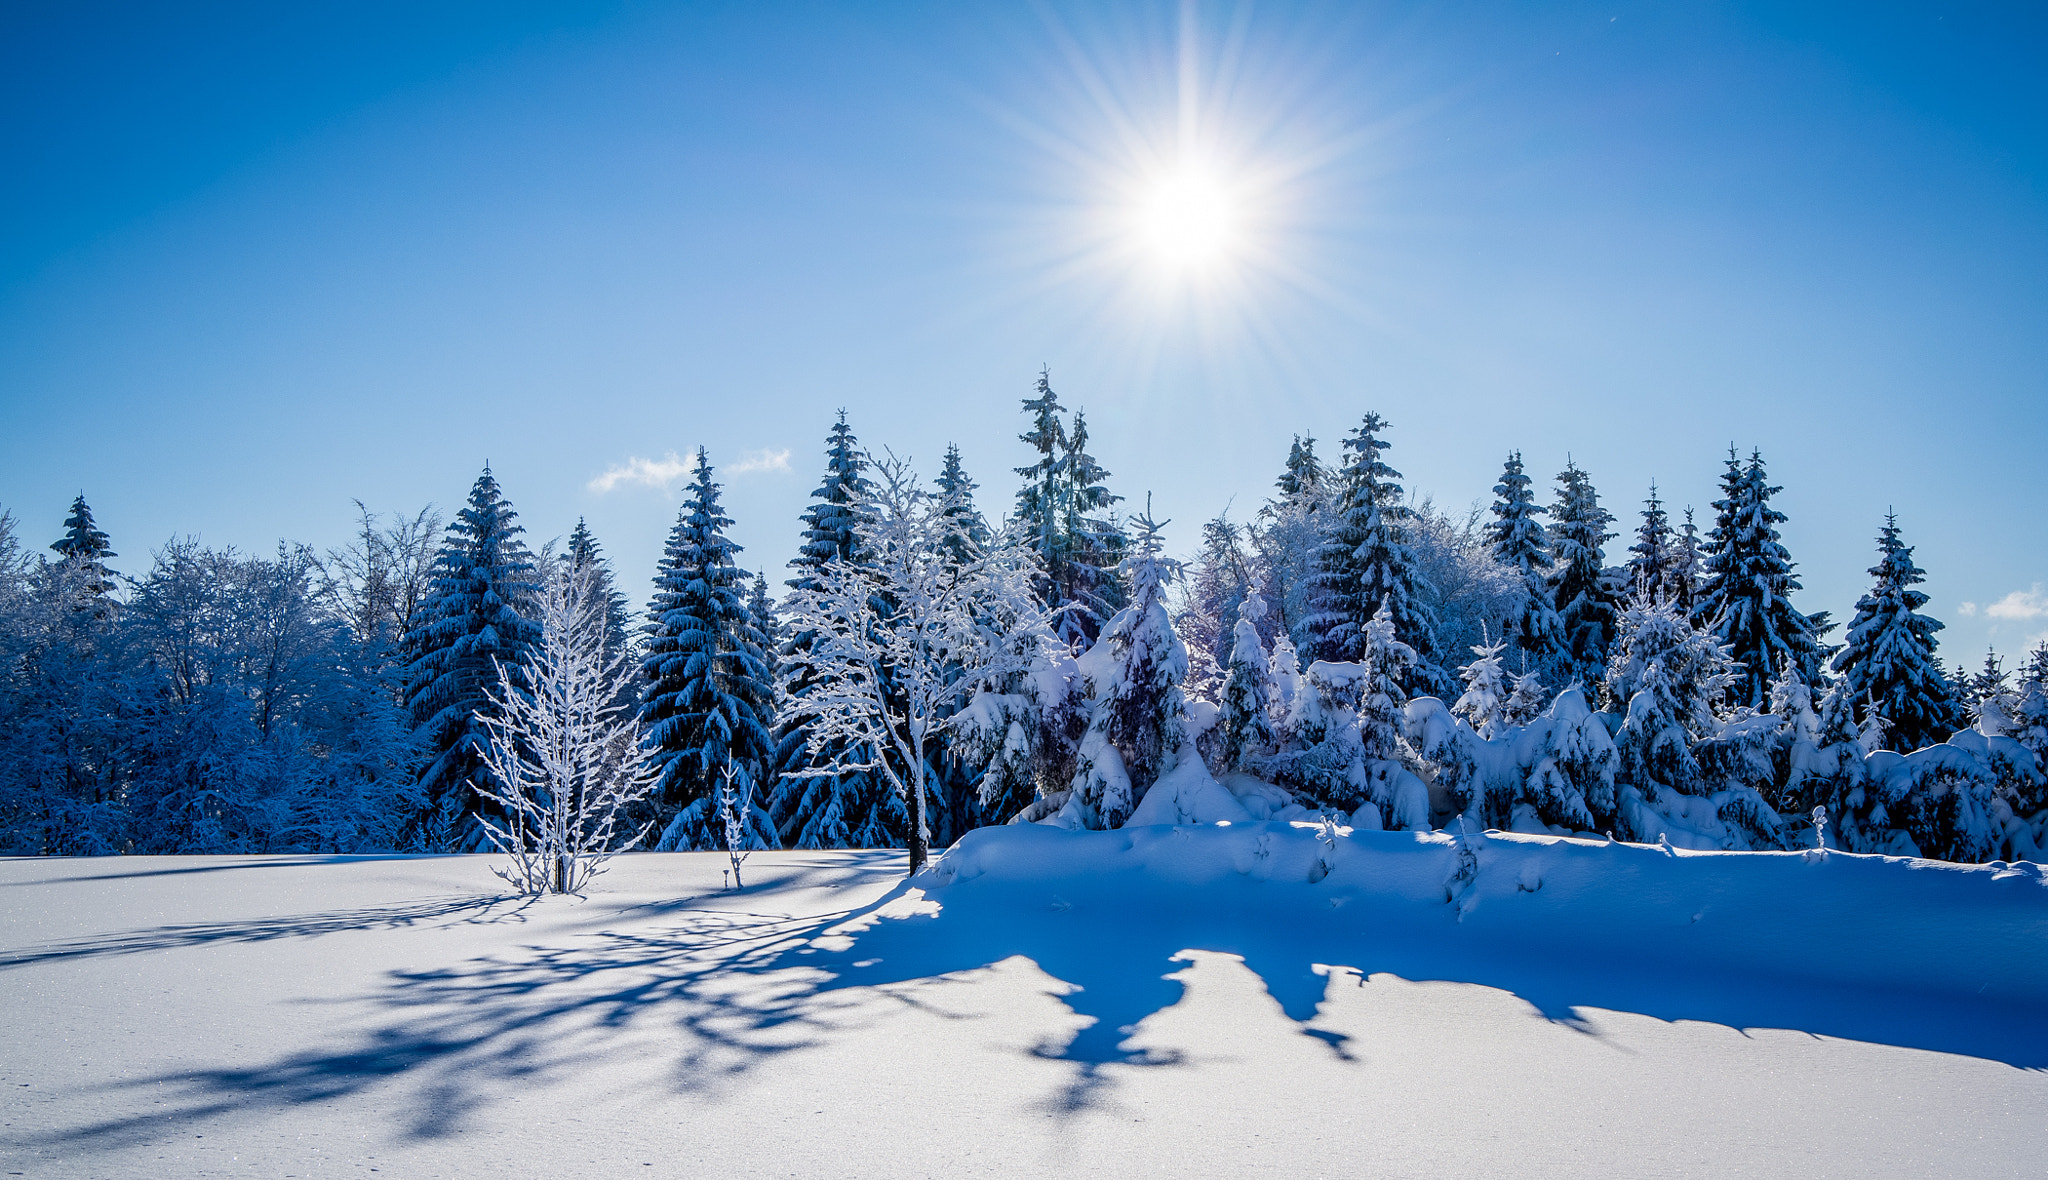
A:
x: 564, y: 758
x: 377, y: 581
x: 905, y: 637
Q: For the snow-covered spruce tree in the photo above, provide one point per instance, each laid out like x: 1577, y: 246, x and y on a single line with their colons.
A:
x: 1391, y: 786
x: 1579, y: 584
x: 1483, y: 704
x: 476, y: 617
x: 902, y: 637
x: 1745, y: 601
x: 1651, y: 557
x: 1096, y: 543
x: 1525, y: 703
x: 762, y: 608
x: 1303, y: 477
x: 958, y: 803
x: 564, y: 755
x: 1246, y: 722
x: 1682, y: 576
x: 825, y: 810
x: 706, y: 698
x: 1365, y: 564
x: 1671, y: 677
x: 1888, y: 667
x: 1133, y: 677
x: 1518, y: 541
x: 86, y: 549
x: 1285, y: 541
x: 585, y: 554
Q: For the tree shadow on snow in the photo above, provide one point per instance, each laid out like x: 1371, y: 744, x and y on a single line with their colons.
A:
x: 749, y: 987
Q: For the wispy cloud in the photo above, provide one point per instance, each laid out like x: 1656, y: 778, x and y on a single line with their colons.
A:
x: 653, y: 473
x: 1967, y: 610
x: 764, y: 459
x: 2021, y: 604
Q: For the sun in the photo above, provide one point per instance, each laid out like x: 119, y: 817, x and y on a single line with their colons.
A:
x: 1188, y: 219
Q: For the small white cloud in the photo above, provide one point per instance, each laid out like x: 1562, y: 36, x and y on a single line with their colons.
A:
x: 653, y: 473
x: 1967, y: 609
x: 2020, y: 604
x: 764, y: 459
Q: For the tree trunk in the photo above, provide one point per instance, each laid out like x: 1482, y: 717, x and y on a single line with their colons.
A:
x: 918, y: 850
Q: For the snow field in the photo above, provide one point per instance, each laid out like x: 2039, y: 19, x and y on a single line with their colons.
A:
x: 1151, y: 1001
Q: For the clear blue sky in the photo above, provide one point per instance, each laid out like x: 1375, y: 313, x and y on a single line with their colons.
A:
x: 256, y: 261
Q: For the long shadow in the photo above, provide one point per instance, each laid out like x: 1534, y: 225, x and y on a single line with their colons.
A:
x: 225, y: 865
x: 446, y: 910
x: 748, y: 988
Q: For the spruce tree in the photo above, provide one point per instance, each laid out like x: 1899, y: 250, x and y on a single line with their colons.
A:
x: 1888, y: 667
x: 1067, y: 514
x: 828, y: 522
x: 762, y: 608
x: 1518, y: 541
x: 1365, y: 565
x: 833, y: 811
x: 958, y: 492
x: 1746, y: 599
x: 1651, y: 557
x: 708, y: 701
x: 1041, y: 502
x: 477, y: 616
x: 1586, y: 607
x: 1303, y: 478
x: 1095, y: 542
x: 1682, y: 576
x: 583, y: 555
x: 85, y: 549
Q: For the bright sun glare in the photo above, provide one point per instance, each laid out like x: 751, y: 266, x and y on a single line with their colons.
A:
x: 1188, y: 219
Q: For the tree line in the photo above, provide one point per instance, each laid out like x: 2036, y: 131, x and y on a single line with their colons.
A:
x: 927, y: 670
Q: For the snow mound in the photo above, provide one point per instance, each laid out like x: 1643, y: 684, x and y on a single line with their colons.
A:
x: 1631, y: 925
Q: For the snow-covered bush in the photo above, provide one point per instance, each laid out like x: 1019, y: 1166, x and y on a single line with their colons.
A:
x: 564, y: 759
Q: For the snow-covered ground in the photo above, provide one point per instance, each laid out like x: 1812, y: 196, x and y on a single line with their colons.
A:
x: 1258, y: 999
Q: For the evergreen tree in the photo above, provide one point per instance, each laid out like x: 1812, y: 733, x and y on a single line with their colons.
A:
x: 707, y: 703
x: 1652, y: 556
x: 957, y: 490
x: 1746, y: 602
x: 1134, y: 675
x: 828, y: 522
x: 1682, y: 576
x: 1041, y: 501
x: 1517, y: 540
x: 1068, y: 515
x: 584, y: 556
x: 1585, y: 599
x: 1365, y: 564
x: 762, y: 608
x: 1303, y: 479
x: 1888, y: 667
x: 833, y: 810
x: 1247, y: 704
x: 1095, y: 542
x: 86, y: 549
x: 475, y: 618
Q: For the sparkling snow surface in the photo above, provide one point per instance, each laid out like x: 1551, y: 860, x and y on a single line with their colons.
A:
x: 1259, y: 999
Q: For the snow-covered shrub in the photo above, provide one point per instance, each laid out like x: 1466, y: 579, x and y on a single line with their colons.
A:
x: 564, y: 757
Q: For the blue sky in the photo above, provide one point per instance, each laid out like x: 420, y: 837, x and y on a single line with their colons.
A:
x: 258, y: 261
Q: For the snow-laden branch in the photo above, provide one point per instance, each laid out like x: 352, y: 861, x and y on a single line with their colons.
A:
x: 907, y: 631
x: 564, y: 759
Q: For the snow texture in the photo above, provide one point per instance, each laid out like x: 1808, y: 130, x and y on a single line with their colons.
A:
x: 1251, y: 999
